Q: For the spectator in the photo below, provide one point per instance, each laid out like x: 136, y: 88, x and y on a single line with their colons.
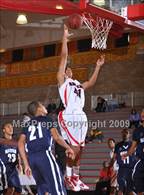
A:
x: 111, y: 144
x: 103, y: 185
x: 95, y: 134
x: 101, y: 105
x: 134, y: 118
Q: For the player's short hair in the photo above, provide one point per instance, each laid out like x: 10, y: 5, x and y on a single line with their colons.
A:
x: 67, y: 68
x: 125, y: 131
x: 111, y: 139
x: 32, y: 107
x: 5, y: 124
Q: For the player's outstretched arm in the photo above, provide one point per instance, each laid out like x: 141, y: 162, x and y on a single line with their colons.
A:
x: 94, y: 76
x: 58, y: 138
x: 64, y: 54
x: 21, y: 147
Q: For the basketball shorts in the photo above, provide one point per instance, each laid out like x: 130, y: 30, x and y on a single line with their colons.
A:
x: 46, y: 173
x: 73, y: 127
x: 124, y: 179
x: 138, y: 176
x: 3, y: 177
x: 13, y: 180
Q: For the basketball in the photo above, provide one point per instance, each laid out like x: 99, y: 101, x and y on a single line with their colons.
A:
x: 74, y: 21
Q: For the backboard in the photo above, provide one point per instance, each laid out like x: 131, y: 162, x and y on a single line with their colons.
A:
x: 127, y: 15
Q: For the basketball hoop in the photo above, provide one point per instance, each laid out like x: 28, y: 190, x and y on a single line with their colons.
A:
x: 99, y: 28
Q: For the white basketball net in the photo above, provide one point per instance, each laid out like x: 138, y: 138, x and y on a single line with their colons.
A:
x: 99, y: 29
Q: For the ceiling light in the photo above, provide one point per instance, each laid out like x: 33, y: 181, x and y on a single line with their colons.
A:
x: 21, y: 19
x: 2, y: 50
x: 99, y: 2
x: 59, y: 7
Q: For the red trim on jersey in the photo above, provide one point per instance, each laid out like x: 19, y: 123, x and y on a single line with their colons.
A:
x: 65, y: 128
x: 65, y: 96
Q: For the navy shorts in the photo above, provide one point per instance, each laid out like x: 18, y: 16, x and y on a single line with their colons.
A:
x: 138, y: 176
x: 124, y: 179
x: 3, y: 177
x: 46, y: 173
x: 13, y: 180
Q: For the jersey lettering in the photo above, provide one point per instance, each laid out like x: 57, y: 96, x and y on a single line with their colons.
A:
x: 77, y: 92
x: 11, y: 157
x: 33, y: 129
x: 126, y: 160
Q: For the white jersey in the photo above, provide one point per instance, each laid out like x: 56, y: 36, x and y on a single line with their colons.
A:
x: 72, y: 94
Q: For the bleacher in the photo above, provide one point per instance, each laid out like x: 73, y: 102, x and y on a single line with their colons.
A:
x: 95, y: 153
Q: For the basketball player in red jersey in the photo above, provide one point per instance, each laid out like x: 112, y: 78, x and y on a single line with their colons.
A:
x: 72, y: 120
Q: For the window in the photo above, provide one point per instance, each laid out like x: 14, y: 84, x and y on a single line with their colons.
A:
x: 84, y: 45
x: 49, y: 50
x: 17, y: 55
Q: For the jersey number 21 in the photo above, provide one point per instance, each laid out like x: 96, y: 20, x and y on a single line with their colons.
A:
x: 33, y: 129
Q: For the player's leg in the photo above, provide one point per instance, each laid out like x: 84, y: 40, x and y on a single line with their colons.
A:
x: 70, y: 164
x: 66, y: 123
x: 80, y: 134
x: 120, y: 192
x: 129, y: 182
x: 76, y: 171
x: 138, y: 177
x: 3, y: 178
x: 14, y: 182
x: 9, y: 191
x: 51, y: 174
x: 16, y: 193
x: 121, y: 181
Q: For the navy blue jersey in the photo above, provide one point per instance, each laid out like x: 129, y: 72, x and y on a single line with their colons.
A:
x: 120, y: 149
x: 138, y: 136
x: 9, y: 155
x: 38, y: 135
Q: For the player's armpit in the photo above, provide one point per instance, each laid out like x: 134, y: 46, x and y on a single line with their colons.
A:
x: 86, y: 85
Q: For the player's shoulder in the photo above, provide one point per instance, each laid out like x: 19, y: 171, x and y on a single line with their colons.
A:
x: 44, y: 119
x: 64, y: 84
x: 77, y: 82
x: 38, y: 118
x: 119, y: 144
x: 138, y: 130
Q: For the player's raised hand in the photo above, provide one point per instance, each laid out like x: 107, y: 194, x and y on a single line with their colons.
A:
x: 28, y: 171
x: 70, y: 153
x: 101, y: 60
